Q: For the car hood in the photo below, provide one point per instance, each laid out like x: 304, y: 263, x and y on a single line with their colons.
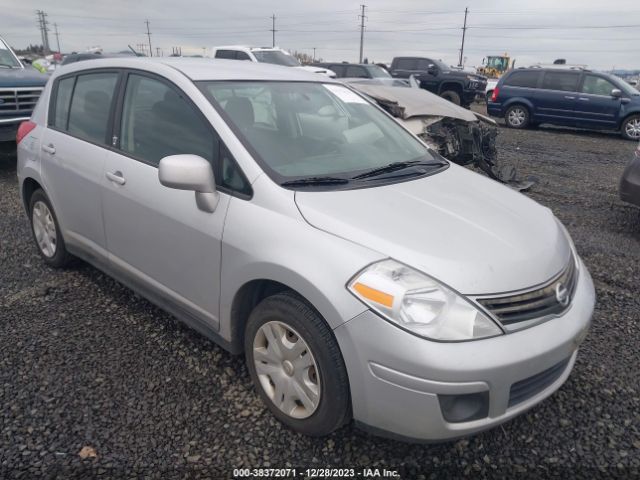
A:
x: 22, y: 77
x: 415, y: 102
x: 463, y: 229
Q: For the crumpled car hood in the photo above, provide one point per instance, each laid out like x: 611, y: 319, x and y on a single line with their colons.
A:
x: 416, y: 101
x: 469, y: 232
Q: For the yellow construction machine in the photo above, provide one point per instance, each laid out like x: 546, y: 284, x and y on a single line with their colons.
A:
x: 493, y: 66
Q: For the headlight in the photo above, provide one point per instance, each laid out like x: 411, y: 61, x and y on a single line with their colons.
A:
x: 420, y: 304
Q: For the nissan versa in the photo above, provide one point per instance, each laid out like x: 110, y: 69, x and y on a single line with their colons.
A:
x: 286, y: 216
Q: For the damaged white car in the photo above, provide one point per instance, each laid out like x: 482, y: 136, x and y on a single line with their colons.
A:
x: 460, y: 135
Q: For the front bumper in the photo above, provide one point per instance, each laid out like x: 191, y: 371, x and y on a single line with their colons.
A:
x: 397, y: 379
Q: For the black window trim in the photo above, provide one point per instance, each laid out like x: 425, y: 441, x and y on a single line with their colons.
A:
x: 217, y: 168
x: 110, y: 118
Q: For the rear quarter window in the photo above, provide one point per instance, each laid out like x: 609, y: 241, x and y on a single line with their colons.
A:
x: 523, y: 79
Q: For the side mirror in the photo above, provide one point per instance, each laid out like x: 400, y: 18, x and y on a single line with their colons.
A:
x: 190, y: 172
x: 432, y: 69
x: 616, y: 93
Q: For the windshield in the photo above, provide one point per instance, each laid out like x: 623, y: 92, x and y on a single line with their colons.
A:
x: 276, y: 57
x: 317, y: 131
x: 378, y: 72
x: 7, y: 59
x: 625, y: 87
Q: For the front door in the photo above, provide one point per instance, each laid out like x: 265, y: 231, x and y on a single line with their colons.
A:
x: 156, y: 236
x: 595, y: 106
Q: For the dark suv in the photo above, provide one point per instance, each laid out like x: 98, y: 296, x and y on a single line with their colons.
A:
x: 355, y: 70
x: 457, y: 86
x: 573, y: 97
x: 20, y: 88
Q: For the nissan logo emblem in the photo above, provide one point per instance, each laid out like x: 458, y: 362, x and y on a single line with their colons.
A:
x: 562, y: 295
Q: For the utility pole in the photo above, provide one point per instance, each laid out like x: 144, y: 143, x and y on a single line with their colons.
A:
x: 314, y: 54
x: 273, y: 30
x: 149, y: 37
x: 362, y: 17
x: 42, y: 24
x: 464, y: 31
x: 55, y: 26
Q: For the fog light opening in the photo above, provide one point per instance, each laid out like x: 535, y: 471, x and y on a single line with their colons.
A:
x: 464, y: 408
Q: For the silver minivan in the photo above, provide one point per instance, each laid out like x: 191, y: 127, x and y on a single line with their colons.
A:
x: 287, y: 217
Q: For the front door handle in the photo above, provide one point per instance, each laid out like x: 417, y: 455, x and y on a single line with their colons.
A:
x: 583, y: 99
x: 49, y: 149
x: 569, y: 98
x: 116, y: 177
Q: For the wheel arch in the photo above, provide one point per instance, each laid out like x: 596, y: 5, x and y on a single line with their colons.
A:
x: 29, y: 185
x: 627, y: 116
x: 449, y: 85
x: 519, y: 101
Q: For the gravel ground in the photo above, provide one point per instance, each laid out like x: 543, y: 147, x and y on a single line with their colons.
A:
x: 87, y: 363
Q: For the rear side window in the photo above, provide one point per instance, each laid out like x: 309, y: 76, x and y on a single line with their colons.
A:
x: 90, y: 106
x: 406, y: 64
x: 339, y: 70
x: 563, y: 81
x: 63, y: 99
x: 523, y: 79
x: 356, y: 72
x: 595, y: 85
x: 229, y: 54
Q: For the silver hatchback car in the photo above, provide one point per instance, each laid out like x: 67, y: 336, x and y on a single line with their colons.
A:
x: 286, y: 216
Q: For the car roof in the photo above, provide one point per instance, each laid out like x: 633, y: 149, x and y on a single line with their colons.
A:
x: 198, y: 69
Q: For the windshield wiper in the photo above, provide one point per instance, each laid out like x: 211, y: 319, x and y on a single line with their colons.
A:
x: 310, y: 181
x: 393, y: 167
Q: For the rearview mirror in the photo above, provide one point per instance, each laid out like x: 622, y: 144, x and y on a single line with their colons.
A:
x: 190, y: 172
x: 616, y: 92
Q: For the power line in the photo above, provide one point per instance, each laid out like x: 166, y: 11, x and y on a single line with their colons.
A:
x: 464, y: 31
x: 362, y: 18
x: 149, y: 37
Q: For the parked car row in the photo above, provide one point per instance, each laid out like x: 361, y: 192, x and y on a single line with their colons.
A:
x: 358, y: 270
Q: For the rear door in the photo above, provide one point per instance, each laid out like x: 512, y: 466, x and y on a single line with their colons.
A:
x: 74, y: 152
x: 356, y: 71
x: 156, y: 236
x: 556, y: 101
x: 595, y: 107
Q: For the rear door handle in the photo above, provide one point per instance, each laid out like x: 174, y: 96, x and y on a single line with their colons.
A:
x: 49, y: 149
x: 569, y: 98
x: 116, y: 177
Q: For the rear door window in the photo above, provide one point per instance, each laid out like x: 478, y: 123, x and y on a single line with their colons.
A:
x: 228, y: 54
x: 594, y: 85
x: 406, y: 64
x: 354, y: 71
x: 523, y: 79
x: 563, y: 81
x: 242, y: 56
x: 339, y: 70
x: 63, y: 100
x: 90, y: 106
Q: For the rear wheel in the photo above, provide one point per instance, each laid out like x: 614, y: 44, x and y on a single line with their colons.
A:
x: 452, y: 96
x: 517, y: 116
x: 631, y: 128
x: 296, y: 365
x: 46, y: 231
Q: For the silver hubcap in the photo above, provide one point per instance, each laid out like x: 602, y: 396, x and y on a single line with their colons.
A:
x: 286, y: 369
x: 44, y: 228
x: 632, y: 128
x: 516, y: 117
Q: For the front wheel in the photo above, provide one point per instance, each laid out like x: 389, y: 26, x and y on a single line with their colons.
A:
x: 631, y: 128
x: 517, y: 116
x: 452, y: 96
x: 296, y: 365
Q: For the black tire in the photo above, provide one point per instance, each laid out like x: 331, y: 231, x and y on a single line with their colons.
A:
x: 334, y: 404
x: 631, y: 128
x: 517, y: 116
x: 60, y: 257
x: 453, y: 97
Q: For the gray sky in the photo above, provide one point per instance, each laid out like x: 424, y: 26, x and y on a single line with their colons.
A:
x: 531, y: 32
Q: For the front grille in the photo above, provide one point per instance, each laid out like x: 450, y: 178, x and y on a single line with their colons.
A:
x: 529, y: 387
x: 19, y: 100
x: 537, y: 303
